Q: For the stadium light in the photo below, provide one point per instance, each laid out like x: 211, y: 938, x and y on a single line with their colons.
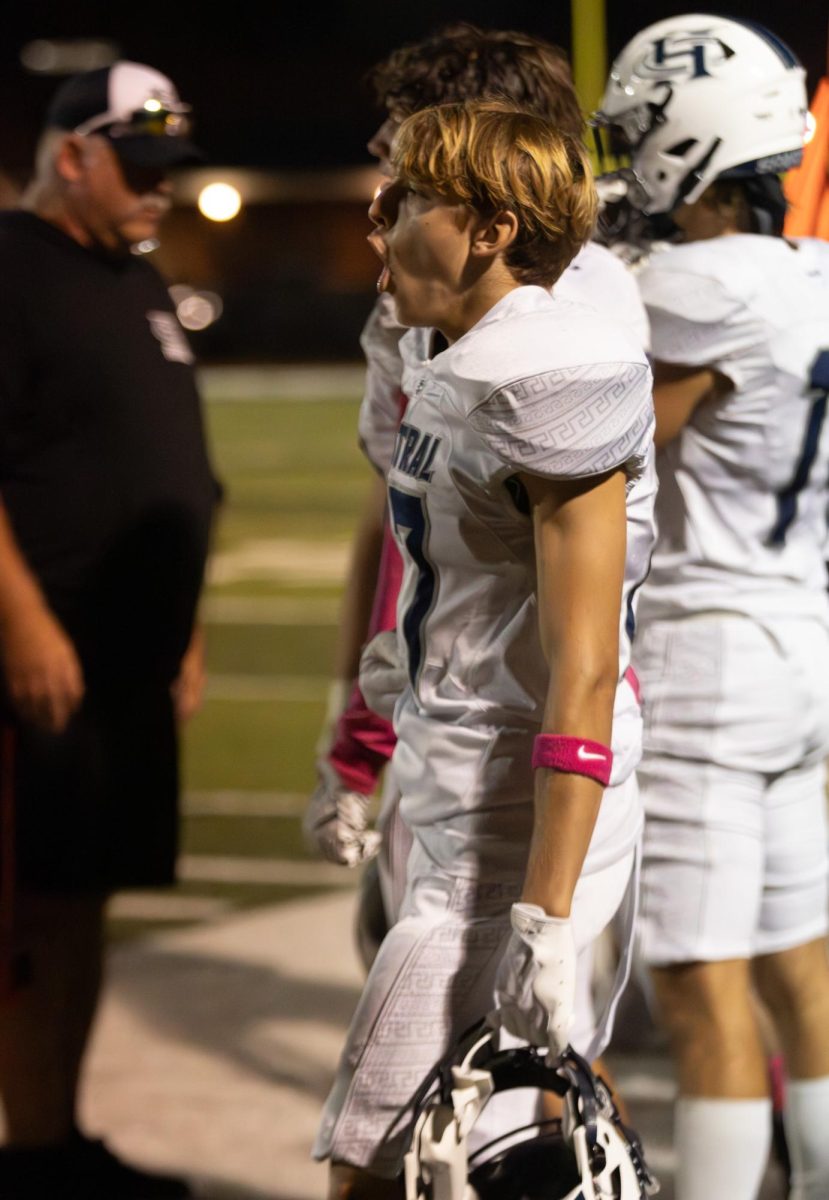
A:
x: 219, y: 201
x: 195, y: 310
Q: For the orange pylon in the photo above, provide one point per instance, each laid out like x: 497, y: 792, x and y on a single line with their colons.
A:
x: 807, y: 186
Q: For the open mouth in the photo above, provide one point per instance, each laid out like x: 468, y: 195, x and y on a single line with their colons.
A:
x: 384, y: 281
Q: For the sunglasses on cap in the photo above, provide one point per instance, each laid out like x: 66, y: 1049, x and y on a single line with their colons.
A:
x: 153, y: 120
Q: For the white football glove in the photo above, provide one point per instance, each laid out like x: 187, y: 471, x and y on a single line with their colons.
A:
x: 336, y: 822
x: 383, y: 674
x: 536, y: 983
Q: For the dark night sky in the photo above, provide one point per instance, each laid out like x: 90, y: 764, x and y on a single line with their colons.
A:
x: 283, y: 87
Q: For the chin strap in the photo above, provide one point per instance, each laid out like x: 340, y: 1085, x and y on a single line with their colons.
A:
x: 438, y: 1157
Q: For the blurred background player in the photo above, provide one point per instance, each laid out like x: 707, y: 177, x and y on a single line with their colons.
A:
x: 458, y: 63
x: 107, y: 499
x: 733, y: 637
x: 528, y: 440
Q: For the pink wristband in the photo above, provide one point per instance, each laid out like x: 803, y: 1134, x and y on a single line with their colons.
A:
x: 577, y: 756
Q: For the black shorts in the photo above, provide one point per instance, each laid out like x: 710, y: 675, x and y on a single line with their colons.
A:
x: 96, y: 807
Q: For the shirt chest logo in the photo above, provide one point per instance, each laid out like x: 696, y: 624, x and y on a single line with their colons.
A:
x: 414, y: 452
x: 166, y: 329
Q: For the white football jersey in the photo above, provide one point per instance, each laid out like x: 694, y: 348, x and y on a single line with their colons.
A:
x: 539, y: 386
x: 595, y: 277
x: 742, y: 503
x: 599, y: 278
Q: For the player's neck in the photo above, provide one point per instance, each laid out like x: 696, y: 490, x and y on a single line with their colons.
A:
x: 473, y: 304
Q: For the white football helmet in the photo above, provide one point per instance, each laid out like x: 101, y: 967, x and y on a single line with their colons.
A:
x: 589, y: 1155
x: 696, y: 98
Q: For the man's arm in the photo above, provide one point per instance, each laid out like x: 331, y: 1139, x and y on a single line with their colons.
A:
x: 355, y: 742
x: 43, y: 673
x: 189, y: 685
x: 361, y: 583
x: 354, y: 628
x: 580, y: 539
x: 677, y: 393
x: 580, y: 535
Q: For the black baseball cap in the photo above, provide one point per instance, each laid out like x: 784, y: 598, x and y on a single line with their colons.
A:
x: 136, y: 107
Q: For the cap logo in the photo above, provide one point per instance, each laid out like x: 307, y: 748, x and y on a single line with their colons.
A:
x: 680, y: 56
x: 157, y: 100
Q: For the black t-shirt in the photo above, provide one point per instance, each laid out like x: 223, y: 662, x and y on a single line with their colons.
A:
x: 104, y: 468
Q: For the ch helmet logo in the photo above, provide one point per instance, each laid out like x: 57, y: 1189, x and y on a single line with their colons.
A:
x: 683, y: 56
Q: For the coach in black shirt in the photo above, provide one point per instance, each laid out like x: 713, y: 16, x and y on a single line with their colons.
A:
x: 106, y: 500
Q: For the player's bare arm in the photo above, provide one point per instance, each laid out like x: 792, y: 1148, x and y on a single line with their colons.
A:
x: 358, y: 594
x: 580, y: 552
x: 42, y: 671
x: 677, y: 394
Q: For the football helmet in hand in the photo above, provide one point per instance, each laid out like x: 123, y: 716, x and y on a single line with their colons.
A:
x: 588, y: 1155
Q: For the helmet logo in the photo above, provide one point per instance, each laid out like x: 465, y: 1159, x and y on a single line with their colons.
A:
x: 683, y: 56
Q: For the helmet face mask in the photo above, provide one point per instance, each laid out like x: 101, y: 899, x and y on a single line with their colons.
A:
x: 696, y: 98
x: 589, y: 1155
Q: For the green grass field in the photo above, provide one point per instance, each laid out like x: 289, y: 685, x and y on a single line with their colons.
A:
x: 294, y: 480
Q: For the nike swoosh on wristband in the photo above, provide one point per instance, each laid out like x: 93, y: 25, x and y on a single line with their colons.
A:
x: 585, y: 755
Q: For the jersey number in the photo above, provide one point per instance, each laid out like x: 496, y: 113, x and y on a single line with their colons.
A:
x: 411, y: 523
x: 787, y: 499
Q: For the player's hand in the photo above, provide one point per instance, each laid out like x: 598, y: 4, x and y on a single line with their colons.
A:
x: 536, y: 982
x: 336, y: 822
x: 43, y: 672
x: 188, y: 687
x: 383, y: 674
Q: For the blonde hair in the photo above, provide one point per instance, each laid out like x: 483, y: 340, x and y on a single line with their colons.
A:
x: 492, y: 158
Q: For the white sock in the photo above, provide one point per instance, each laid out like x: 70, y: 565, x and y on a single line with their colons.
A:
x: 806, y: 1120
x: 722, y: 1147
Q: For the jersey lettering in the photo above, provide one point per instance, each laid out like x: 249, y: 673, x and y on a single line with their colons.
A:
x: 412, y: 524
x: 414, y: 452
x: 406, y: 441
x: 787, y: 499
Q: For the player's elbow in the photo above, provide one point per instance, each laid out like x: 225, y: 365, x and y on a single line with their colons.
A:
x: 587, y: 683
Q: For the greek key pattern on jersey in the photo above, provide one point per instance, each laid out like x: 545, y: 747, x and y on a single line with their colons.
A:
x: 436, y: 980
x: 569, y: 422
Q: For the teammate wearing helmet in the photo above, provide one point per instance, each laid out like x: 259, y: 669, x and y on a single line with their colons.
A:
x: 733, y: 642
x: 526, y: 444
x: 458, y: 63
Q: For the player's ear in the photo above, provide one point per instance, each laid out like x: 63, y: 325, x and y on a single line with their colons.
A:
x: 69, y: 158
x: 494, y: 234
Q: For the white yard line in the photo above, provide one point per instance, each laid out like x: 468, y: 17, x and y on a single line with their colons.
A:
x: 165, y: 906
x: 209, y: 868
x: 650, y: 1088
x: 339, y: 381
x: 281, y: 560
x: 269, y: 610
x: 244, y: 804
